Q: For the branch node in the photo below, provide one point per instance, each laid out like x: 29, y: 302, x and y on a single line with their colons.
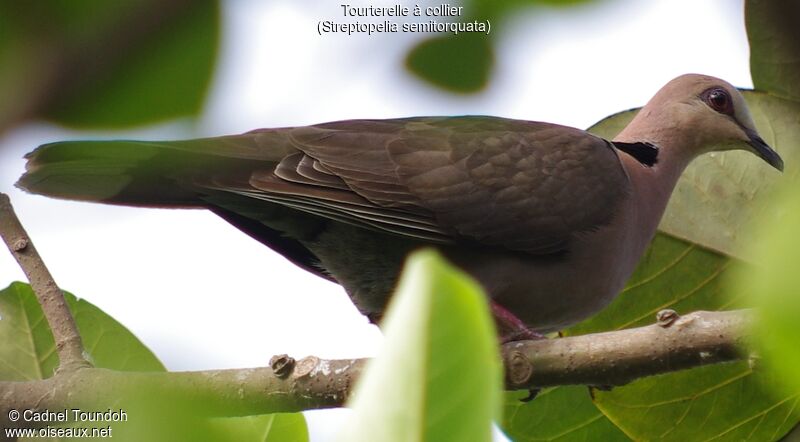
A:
x: 19, y: 245
x: 518, y: 369
x: 306, y: 366
x: 666, y: 317
x: 282, y: 365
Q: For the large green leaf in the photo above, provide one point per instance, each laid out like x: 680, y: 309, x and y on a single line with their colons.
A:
x: 97, y: 64
x: 721, y: 402
x: 720, y: 193
x: 557, y: 414
x: 727, y: 401
x: 27, y: 349
x: 792, y: 436
x: 774, y: 46
x: 439, y: 375
x: 27, y: 352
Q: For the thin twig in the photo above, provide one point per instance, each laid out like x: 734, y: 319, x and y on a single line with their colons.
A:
x: 65, y: 332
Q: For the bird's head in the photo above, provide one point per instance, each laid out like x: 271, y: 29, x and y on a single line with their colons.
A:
x: 707, y: 114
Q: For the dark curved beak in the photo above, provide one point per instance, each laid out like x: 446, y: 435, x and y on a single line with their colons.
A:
x: 762, y: 149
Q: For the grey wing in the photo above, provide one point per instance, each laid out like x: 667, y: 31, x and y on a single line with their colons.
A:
x: 366, y: 195
x: 520, y: 185
x: 525, y: 186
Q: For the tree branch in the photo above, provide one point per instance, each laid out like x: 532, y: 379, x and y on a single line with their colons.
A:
x: 65, y: 332
x: 603, y: 359
x: 314, y: 384
x: 619, y: 357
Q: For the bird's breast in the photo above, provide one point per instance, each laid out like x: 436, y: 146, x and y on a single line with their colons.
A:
x: 552, y: 293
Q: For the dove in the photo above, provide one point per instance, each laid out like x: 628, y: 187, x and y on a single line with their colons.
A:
x: 550, y: 220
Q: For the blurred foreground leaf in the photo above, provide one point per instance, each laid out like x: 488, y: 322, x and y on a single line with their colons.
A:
x: 464, y: 63
x: 279, y: 427
x: 774, y: 287
x: 458, y: 63
x: 439, y: 375
x: 96, y: 64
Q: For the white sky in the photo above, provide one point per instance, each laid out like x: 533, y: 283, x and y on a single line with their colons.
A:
x: 202, y: 295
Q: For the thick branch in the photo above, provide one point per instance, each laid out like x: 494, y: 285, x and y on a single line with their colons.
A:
x: 612, y: 358
x: 313, y: 384
x: 65, y: 332
x: 619, y: 357
x: 607, y: 359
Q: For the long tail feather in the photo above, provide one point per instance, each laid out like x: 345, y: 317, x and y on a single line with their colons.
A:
x: 145, y: 173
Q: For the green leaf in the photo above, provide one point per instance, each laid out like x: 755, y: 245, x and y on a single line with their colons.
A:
x: 96, y: 64
x: 156, y: 417
x: 697, y: 403
x: 717, y: 402
x: 459, y: 63
x: 463, y: 63
x: 439, y: 376
x: 774, y: 46
x: 557, y: 414
x: 28, y: 351
x: 773, y: 287
x: 720, y: 193
x: 792, y: 436
x: 280, y: 427
x: 160, y: 415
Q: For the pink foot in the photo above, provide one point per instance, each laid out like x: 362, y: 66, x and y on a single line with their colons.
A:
x: 511, y: 328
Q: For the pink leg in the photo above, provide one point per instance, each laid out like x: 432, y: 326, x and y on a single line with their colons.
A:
x: 509, y: 327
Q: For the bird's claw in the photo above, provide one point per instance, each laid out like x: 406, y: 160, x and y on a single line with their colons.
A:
x: 532, y: 393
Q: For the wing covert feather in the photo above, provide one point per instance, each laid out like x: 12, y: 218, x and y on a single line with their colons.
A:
x: 521, y: 185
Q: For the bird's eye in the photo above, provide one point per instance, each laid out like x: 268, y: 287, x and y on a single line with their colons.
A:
x: 719, y: 100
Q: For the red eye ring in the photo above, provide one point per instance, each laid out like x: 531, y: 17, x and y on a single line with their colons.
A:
x: 718, y: 99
